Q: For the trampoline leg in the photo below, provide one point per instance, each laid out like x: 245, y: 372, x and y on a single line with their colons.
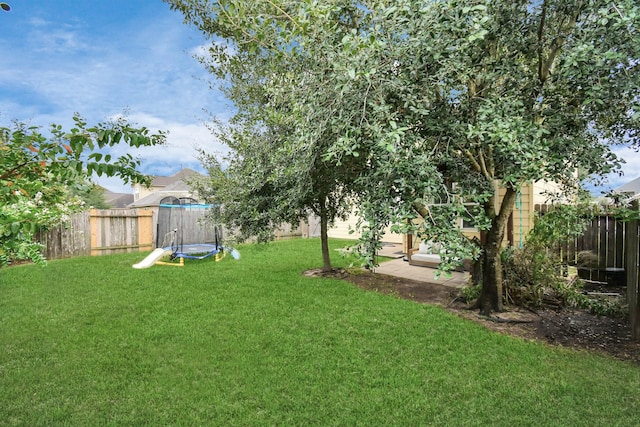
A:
x: 172, y: 264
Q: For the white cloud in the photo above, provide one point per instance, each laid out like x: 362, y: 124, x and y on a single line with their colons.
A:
x: 180, y: 150
x: 106, y: 57
x: 631, y: 168
x: 200, y: 51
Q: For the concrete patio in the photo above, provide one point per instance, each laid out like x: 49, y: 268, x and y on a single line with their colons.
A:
x: 400, y: 268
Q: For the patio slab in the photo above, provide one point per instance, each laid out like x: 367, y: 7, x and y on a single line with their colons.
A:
x: 400, y: 268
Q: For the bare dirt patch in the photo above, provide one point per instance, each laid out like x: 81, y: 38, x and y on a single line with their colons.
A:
x: 572, y: 328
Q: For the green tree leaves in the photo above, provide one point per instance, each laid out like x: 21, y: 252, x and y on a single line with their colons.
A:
x: 37, y: 174
x: 394, y: 101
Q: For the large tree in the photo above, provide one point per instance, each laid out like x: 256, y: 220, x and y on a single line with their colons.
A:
x: 441, y: 105
x: 508, y: 93
x: 39, y: 175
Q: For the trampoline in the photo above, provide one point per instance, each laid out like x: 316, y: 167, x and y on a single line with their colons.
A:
x: 195, y: 251
x: 173, y: 243
x: 186, y: 234
x: 199, y: 250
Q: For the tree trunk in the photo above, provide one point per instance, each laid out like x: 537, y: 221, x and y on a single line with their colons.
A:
x: 490, y: 299
x: 324, y: 238
x: 491, y: 296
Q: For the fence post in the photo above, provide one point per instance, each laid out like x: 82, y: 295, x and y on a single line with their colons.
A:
x: 632, y: 261
x: 145, y: 230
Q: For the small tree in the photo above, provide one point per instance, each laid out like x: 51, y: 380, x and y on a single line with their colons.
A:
x: 38, y: 174
x: 93, y: 196
x: 277, y: 171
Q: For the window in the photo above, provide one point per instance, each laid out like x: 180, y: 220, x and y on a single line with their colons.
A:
x: 467, y: 219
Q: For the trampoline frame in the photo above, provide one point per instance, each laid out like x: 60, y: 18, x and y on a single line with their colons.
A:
x: 196, y: 251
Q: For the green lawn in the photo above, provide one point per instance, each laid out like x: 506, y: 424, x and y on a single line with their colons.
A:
x: 92, y: 341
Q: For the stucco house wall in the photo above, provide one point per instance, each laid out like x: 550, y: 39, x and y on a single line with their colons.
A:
x: 520, y: 223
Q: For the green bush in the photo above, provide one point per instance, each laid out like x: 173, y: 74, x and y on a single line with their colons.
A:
x: 527, y: 272
x: 573, y: 295
x: 470, y: 293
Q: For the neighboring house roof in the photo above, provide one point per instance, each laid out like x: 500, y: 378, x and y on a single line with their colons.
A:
x: 183, y: 175
x: 154, y: 199
x: 630, y: 187
x: 174, y: 185
x: 118, y: 200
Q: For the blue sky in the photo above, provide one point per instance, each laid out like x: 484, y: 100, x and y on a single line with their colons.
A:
x: 103, y: 57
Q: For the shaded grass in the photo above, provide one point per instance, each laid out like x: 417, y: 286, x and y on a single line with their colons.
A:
x: 91, y: 341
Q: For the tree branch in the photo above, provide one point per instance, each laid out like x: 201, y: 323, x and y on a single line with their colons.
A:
x: 354, y: 20
x: 421, y: 208
x: 364, y: 104
x: 563, y: 31
x: 506, y: 207
x: 11, y: 171
x: 250, y: 37
x: 480, y: 164
x: 474, y: 162
x: 492, y: 166
x: 287, y: 16
x: 543, y: 19
x: 483, y: 165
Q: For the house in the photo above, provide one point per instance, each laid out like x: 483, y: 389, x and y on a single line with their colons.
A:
x: 165, y: 186
x: 520, y: 223
x: 172, y: 188
x: 632, y: 187
x: 117, y: 200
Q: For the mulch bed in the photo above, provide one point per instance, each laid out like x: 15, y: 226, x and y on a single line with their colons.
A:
x: 573, y: 328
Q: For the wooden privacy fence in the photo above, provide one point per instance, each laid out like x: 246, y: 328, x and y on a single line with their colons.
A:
x: 608, y: 251
x: 100, y: 232
x: 191, y: 220
x: 599, y: 252
x: 68, y: 240
x: 110, y: 231
x: 632, y: 268
x: 121, y: 230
